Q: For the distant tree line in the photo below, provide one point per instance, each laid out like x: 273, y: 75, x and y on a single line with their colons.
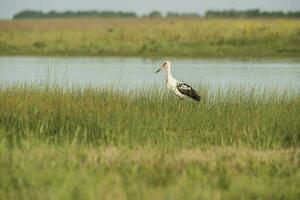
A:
x: 176, y: 14
x: 27, y: 14
x: 71, y: 14
x: 156, y: 14
x: 251, y: 14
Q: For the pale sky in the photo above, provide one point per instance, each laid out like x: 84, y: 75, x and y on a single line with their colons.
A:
x: 9, y: 7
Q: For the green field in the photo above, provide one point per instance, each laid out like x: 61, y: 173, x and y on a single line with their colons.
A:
x: 274, y: 38
x: 96, y: 143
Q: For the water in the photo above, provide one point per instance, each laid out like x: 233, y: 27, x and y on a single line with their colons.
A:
x: 131, y: 73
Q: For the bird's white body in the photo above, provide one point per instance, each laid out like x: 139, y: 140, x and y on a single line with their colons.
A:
x: 172, y: 82
x: 180, y: 89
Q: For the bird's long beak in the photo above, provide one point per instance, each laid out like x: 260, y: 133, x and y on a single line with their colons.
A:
x: 158, y: 70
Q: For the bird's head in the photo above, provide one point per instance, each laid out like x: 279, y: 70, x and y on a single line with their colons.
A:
x: 166, y: 64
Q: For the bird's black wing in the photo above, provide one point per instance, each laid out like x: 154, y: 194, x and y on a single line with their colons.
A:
x: 187, y: 90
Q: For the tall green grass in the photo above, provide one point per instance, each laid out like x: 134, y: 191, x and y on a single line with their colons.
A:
x: 152, y: 37
x: 110, y: 117
x: 96, y: 143
x: 48, y: 171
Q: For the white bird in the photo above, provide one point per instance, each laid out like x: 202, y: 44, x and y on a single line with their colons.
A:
x: 180, y: 89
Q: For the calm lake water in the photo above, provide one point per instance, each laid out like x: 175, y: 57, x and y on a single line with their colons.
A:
x: 130, y: 73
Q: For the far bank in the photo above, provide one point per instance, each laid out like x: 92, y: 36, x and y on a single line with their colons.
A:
x: 243, y: 38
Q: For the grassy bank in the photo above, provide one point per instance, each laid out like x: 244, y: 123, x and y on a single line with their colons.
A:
x: 152, y: 37
x: 72, y: 172
x: 91, y: 143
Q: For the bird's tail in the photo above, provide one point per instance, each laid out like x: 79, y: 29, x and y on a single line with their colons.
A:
x: 196, y: 97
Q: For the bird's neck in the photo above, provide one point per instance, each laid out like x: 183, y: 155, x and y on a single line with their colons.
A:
x: 169, y: 74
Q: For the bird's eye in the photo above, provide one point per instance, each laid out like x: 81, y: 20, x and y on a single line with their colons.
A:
x: 165, y: 64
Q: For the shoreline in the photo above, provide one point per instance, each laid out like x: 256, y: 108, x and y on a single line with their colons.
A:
x: 183, y: 38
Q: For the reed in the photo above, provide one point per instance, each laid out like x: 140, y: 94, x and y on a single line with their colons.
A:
x: 265, y: 119
x: 91, y: 143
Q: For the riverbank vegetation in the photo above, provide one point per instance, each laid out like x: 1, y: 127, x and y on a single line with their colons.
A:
x: 254, y: 38
x: 89, y: 143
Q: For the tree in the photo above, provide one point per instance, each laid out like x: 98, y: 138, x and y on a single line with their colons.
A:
x: 155, y: 13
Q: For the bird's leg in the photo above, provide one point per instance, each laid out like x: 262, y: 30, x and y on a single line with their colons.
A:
x: 180, y: 108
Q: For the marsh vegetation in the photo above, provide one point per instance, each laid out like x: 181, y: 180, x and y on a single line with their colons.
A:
x: 91, y: 142
x: 152, y: 37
